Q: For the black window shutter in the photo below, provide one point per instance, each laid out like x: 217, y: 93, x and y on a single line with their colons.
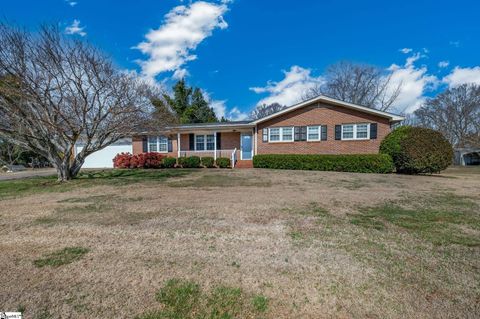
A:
x: 303, y: 133
x: 265, y: 134
x: 373, y: 131
x: 219, y: 141
x: 191, y: 140
x: 296, y: 133
x: 324, y: 133
x: 338, y: 132
x: 170, y: 146
x: 145, y: 144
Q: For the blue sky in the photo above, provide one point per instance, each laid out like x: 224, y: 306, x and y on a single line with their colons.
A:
x: 246, y: 52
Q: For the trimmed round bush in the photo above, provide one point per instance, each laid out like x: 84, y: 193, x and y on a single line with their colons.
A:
x: 208, y: 162
x: 169, y: 162
x: 189, y: 162
x: 359, y: 163
x: 417, y: 150
x: 223, y: 162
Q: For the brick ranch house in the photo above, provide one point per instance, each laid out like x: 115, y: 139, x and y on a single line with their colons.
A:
x: 321, y: 125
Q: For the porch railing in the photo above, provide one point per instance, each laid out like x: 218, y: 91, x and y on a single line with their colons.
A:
x: 220, y: 153
x: 234, y: 158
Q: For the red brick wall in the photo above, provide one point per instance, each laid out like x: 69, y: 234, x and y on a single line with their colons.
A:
x: 137, y: 143
x: 230, y: 140
x: 322, y: 114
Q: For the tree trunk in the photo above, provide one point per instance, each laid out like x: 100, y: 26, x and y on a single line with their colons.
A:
x: 67, y: 171
x: 63, y: 173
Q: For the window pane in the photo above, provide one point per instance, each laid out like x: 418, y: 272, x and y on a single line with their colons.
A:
x: 362, y: 130
x: 347, y: 131
x: 287, y: 134
x: 162, y: 144
x: 274, y: 134
x: 152, y: 143
x: 200, y: 142
x: 210, y: 142
x: 313, y: 133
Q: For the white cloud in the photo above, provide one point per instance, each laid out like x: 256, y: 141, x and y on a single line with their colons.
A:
x: 71, y: 3
x: 463, y: 75
x: 405, y: 50
x: 236, y: 115
x: 221, y: 110
x: 296, y: 83
x: 414, y: 82
x: 75, y: 28
x: 185, y: 27
x: 443, y: 64
x: 180, y: 74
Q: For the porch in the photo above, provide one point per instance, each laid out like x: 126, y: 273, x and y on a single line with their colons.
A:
x: 235, y: 144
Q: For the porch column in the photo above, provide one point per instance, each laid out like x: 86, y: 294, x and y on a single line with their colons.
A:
x: 215, y: 147
x: 178, y: 145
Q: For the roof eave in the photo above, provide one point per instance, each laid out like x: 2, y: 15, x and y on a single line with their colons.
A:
x: 390, y: 116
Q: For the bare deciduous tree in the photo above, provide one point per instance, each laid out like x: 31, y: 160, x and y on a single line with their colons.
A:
x: 455, y: 113
x: 55, y: 92
x: 264, y: 110
x: 359, y: 84
x: 9, y: 153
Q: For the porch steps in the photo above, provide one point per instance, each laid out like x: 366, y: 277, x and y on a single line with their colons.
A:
x: 244, y: 164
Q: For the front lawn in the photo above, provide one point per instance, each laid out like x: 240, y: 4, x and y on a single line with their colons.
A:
x: 241, y: 244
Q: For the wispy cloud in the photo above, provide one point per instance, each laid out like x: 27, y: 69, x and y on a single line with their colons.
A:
x: 75, y: 28
x: 221, y: 109
x: 71, y: 3
x: 414, y: 82
x: 443, y: 64
x: 461, y: 76
x: 296, y: 82
x: 170, y: 46
x: 406, y: 50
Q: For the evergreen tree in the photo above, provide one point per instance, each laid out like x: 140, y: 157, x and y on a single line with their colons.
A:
x: 189, y: 104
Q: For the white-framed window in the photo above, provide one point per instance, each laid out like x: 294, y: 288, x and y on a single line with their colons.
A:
x: 360, y: 131
x: 210, y: 142
x: 313, y: 133
x: 280, y: 134
x: 205, y: 142
x: 158, y: 144
x: 274, y: 134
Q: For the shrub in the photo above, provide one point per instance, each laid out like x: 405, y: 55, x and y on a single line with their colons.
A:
x: 417, y: 150
x: 361, y: 163
x: 189, y: 162
x: 169, y: 162
x: 223, y: 162
x: 146, y: 160
x: 122, y: 160
x: 208, y: 162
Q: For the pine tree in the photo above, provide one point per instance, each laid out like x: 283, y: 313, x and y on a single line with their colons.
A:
x: 189, y: 104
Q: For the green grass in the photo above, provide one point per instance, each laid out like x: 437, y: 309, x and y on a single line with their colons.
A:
x: 61, y: 257
x: 22, y: 187
x: 260, y: 303
x: 438, y: 219
x: 183, y: 299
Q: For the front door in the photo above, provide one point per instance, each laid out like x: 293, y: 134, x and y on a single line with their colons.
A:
x: 246, y: 146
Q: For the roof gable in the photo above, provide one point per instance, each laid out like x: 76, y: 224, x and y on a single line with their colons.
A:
x: 331, y: 101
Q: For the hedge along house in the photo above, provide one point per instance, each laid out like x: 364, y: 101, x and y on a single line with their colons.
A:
x: 321, y: 125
